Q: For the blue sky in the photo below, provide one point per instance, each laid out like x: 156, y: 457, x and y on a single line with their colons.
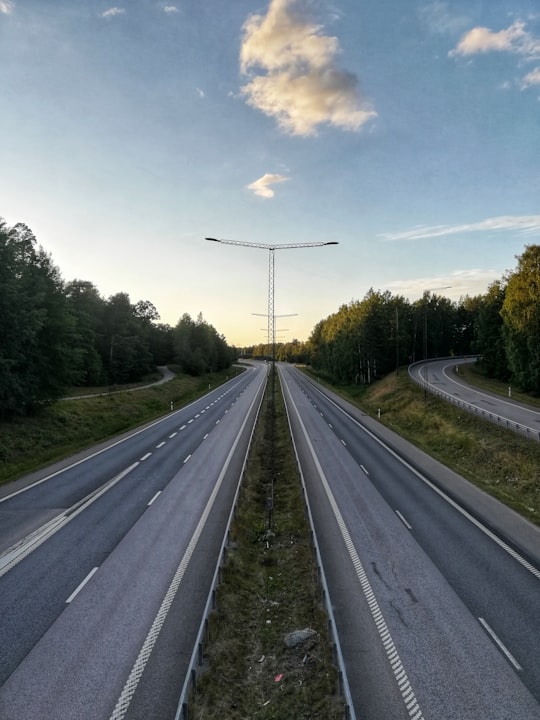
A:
x: 408, y: 131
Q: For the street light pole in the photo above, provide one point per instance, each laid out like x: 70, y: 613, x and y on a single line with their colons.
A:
x: 271, y: 251
x: 271, y: 334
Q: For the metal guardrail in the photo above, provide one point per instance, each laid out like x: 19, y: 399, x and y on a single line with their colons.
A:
x: 196, y: 662
x: 197, y: 656
x: 491, y: 417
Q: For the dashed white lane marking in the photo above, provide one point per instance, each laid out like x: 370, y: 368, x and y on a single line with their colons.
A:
x: 161, y: 444
x: 344, y: 443
x: 80, y: 587
x: 407, y: 693
x: 502, y: 647
x: 145, y: 457
x: 198, y: 415
x: 190, y: 421
x: 137, y: 670
x: 172, y: 435
x: 330, y: 426
x: 183, y: 427
x: 519, y: 558
x: 364, y: 469
x: 204, y: 438
x: 155, y: 496
x: 185, y: 461
x: 400, y: 516
x: 217, y: 422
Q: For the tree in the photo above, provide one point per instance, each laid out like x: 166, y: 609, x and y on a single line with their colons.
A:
x: 521, y: 315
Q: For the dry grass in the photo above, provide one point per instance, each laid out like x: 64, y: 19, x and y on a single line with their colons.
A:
x: 270, y: 588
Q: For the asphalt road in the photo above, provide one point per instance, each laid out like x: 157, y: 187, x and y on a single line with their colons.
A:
x: 442, y: 378
x: 99, y: 615
x: 438, y: 616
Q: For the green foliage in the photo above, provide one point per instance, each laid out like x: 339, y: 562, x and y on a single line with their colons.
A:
x: 521, y: 314
x: 56, y: 335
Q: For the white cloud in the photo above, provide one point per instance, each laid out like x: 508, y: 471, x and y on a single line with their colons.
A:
x: 532, y: 78
x: 293, y: 72
x: 524, y: 224
x: 6, y: 7
x: 170, y: 9
x: 112, y: 12
x: 200, y: 93
x: 515, y: 39
x: 261, y: 187
x: 440, y: 21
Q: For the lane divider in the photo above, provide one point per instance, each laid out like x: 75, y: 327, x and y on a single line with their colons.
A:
x: 80, y: 587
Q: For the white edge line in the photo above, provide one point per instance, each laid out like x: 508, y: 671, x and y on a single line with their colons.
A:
x: 135, y: 675
x: 501, y: 645
x: 525, y: 563
x: 389, y: 647
x: 80, y: 587
x: 400, y: 516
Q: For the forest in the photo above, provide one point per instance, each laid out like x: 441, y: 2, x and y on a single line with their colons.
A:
x: 55, y: 334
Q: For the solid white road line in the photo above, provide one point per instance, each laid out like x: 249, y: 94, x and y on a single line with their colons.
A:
x: 400, y: 516
x: 502, y: 647
x: 80, y: 587
x: 155, y: 496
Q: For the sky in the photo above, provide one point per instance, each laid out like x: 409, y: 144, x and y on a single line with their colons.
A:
x: 408, y: 131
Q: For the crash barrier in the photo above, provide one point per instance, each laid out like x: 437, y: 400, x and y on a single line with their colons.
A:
x: 491, y: 417
x: 196, y: 663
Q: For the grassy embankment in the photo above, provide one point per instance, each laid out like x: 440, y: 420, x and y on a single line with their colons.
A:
x: 27, y: 443
x: 499, y: 461
x: 269, y: 588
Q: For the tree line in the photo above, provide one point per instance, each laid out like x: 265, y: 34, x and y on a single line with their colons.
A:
x: 367, y: 339
x: 56, y: 334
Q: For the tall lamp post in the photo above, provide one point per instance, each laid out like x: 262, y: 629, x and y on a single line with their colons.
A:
x: 271, y: 251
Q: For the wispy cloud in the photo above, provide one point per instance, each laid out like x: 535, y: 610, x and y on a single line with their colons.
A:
x: 440, y: 21
x: 453, y: 285
x: 170, y: 9
x: 532, y: 78
x: 524, y: 224
x: 200, y: 93
x: 515, y: 40
x: 294, y: 76
x: 112, y: 12
x: 261, y: 187
x: 6, y: 7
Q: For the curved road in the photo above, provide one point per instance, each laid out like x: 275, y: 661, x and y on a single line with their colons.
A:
x: 441, y: 377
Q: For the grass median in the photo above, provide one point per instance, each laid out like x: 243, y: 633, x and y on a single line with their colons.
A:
x: 269, y: 589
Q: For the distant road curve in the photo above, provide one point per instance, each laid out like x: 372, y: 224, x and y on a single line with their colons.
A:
x: 166, y: 375
x: 441, y: 378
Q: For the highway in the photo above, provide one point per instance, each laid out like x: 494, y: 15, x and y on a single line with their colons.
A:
x: 106, y: 563
x: 440, y: 376
x: 438, y: 616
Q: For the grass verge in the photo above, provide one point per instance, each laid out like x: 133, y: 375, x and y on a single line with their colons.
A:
x: 499, y: 461
x: 269, y: 588
x: 27, y: 443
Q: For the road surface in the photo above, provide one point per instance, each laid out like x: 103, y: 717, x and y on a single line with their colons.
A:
x: 438, y: 617
x: 107, y: 563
